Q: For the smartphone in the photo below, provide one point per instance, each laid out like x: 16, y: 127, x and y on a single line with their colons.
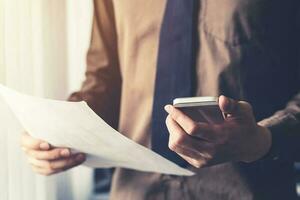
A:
x: 200, y: 109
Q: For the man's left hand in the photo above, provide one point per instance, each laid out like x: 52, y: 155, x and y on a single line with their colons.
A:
x: 238, y: 138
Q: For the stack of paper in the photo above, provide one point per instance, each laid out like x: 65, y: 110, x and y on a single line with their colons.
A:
x: 76, y: 126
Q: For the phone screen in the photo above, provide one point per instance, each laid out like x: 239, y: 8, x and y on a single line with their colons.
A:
x: 210, y: 113
x: 200, y: 109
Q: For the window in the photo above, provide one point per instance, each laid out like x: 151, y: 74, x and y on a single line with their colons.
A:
x: 37, y: 56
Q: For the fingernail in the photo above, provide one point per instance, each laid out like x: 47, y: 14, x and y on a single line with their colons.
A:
x: 44, y: 146
x: 80, y: 157
x: 168, y: 108
x: 65, y: 153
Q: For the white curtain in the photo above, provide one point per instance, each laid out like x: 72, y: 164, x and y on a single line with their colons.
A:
x: 42, y: 52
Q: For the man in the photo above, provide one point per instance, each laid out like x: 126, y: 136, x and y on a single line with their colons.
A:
x: 144, y: 53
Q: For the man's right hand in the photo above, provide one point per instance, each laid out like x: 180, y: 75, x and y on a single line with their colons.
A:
x: 46, y: 159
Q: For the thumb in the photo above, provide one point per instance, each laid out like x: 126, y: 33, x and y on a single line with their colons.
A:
x: 233, y: 108
x: 228, y: 105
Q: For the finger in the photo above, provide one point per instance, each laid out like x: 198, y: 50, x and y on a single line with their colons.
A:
x: 203, y: 131
x: 183, y: 120
x: 179, y: 139
x: 68, y: 163
x: 188, y: 152
x: 43, y: 171
x: 235, y: 109
x: 29, y: 142
x: 54, y: 154
x: 191, y: 127
x: 228, y: 105
x: 58, y: 165
x: 198, y: 163
x: 200, y: 130
x: 177, y: 134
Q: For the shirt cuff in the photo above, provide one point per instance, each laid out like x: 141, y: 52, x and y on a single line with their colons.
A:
x: 285, y: 134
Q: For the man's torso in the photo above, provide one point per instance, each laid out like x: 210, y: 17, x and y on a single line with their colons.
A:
x: 247, y: 51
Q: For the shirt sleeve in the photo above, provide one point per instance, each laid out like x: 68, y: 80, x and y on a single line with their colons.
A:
x: 285, y: 128
x: 285, y: 125
x: 102, y: 86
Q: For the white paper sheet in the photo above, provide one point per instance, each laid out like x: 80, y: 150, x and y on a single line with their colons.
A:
x: 75, y: 125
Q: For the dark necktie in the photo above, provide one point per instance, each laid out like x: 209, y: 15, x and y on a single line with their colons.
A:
x: 175, y: 68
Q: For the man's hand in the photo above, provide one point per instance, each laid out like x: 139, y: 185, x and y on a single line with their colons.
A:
x: 48, y: 160
x: 238, y: 138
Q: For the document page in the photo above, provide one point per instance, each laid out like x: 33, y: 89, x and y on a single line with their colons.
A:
x: 76, y: 126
